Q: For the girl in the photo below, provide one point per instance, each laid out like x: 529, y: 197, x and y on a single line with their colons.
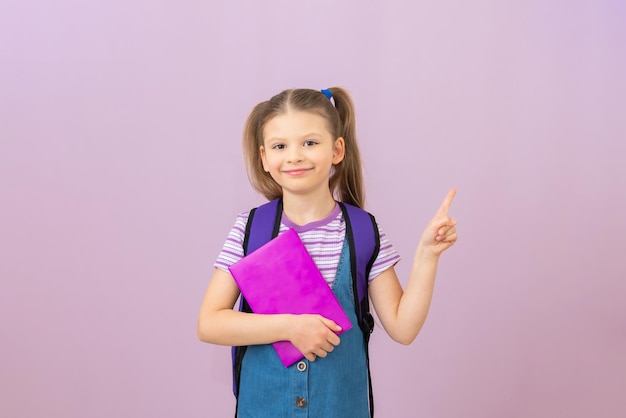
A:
x: 301, y: 146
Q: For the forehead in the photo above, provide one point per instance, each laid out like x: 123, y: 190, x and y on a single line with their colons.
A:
x: 295, y: 124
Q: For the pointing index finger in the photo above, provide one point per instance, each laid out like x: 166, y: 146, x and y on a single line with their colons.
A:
x: 447, y: 202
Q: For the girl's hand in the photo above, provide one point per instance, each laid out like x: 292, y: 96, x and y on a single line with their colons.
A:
x: 314, y: 335
x: 440, y: 233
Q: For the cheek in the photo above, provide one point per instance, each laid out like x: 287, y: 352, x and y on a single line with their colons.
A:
x: 270, y: 164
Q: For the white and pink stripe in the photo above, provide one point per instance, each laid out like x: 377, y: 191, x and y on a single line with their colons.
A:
x: 323, y: 240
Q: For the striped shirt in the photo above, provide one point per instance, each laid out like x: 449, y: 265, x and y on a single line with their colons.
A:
x: 323, y: 239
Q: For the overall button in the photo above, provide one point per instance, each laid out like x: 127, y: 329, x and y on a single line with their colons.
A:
x: 300, y: 402
x: 301, y: 366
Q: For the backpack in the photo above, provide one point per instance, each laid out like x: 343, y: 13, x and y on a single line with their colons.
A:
x: 364, y: 244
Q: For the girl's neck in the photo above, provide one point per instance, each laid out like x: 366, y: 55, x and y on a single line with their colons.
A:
x: 302, y: 210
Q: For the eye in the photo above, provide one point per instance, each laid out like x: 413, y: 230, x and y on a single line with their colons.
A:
x: 278, y: 146
x: 310, y: 143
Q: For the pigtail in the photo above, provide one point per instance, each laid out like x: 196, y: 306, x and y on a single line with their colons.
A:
x: 260, y: 180
x: 347, y: 178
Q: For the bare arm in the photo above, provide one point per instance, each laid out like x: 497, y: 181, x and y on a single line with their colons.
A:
x: 218, y: 323
x: 403, y: 313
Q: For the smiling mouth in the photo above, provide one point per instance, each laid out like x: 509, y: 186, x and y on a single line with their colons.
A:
x: 296, y: 172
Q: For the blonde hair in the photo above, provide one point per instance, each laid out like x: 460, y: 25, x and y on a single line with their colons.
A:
x: 346, y: 180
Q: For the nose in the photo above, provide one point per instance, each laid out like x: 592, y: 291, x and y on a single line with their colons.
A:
x: 295, y: 155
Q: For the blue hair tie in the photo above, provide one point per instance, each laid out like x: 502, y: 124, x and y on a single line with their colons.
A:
x: 327, y: 93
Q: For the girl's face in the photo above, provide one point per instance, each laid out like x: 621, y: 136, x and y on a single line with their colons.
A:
x: 298, y: 152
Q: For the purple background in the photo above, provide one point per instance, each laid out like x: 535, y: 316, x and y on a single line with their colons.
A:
x: 121, y: 174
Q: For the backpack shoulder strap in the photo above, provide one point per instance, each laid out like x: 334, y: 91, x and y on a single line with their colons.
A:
x: 364, y: 243
x: 263, y: 225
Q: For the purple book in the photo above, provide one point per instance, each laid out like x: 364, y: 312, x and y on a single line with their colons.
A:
x: 281, y: 277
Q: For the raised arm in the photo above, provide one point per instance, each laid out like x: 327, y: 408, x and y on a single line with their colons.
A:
x: 403, y: 313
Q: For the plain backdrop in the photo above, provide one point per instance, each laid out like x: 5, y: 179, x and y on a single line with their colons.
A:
x: 121, y: 175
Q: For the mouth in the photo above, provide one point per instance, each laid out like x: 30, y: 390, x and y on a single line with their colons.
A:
x: 296, y: 172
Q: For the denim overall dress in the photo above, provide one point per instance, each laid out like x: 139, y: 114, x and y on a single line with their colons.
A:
x: 334, y: 386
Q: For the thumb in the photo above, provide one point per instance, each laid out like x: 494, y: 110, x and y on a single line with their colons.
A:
x: 332, y: 325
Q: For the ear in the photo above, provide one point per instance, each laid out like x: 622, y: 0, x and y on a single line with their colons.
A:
x: 263, y: 159
x: 339, y: 150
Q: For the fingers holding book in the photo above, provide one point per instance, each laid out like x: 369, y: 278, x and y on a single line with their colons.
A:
x: 314, y: 335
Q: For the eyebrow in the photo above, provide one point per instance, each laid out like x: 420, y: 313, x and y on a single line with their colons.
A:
x: 309, y: 135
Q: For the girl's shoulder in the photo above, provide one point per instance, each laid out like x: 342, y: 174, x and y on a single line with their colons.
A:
x: 232, y: 251
x: 239, y: 228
